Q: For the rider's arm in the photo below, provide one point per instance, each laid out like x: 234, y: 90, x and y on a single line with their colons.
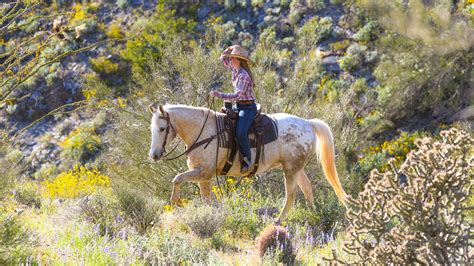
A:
x: 225, y: 59
x: 242, y: 89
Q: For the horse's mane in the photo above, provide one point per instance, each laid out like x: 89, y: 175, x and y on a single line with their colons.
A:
x: 171, y: 107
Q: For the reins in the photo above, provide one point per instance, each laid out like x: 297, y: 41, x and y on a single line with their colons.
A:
x: 193, y: 146
x: 207, y: 141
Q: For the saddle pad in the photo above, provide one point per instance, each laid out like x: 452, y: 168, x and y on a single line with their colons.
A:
x: 270, y: 130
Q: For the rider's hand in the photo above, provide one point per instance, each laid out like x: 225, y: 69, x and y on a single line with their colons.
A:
x: 213, y: 93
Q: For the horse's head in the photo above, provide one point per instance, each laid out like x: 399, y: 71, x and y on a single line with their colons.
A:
x: 162, y: 132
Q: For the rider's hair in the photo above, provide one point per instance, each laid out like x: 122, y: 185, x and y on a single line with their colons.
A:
x: 245, y: 65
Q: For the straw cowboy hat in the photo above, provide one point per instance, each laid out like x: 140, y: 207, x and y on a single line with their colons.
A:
x: 239, y: 52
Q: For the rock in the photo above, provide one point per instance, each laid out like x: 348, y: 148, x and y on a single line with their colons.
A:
x: 463, y: 114
x: 331, y: 64
x: 266, y: 211
x: 203, y: 11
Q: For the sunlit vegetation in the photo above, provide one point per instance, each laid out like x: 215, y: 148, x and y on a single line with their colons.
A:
x: 77, y: 186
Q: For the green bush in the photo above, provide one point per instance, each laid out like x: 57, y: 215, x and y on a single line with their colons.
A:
x: 315, y: 4
x: 164, y: 247
x: 123, y: 3
x: 139, y: 210
x: 46, y: 171
x: 103, y: 65
x: 313, y: 32
x: 28, y: 194
x: 203, y: 220
x: 101, y: 209
x: 15, y: 240
x: 81, y: 144
x: 367, y: 33
x: 10, y: 163
x: 158, y: 30
x: 242, y: 219
x: 377, y: 157
x: 354, y: 59
x: 294, y: 17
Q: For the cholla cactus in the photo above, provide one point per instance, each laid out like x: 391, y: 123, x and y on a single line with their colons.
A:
x: 422, y: 220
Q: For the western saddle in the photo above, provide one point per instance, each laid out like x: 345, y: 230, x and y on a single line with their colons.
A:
x: 263, y: 130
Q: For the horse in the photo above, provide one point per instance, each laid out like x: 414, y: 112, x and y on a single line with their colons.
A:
x: 298, y: 139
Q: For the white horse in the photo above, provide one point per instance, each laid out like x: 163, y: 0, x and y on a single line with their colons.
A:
x: 298, y: 139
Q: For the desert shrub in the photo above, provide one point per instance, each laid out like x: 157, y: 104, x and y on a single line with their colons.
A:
x: 158, y: 30
x: 331, y: 89
x: 115, y: 31
x: 421, y: 221
x: 100, y: 209
x: 275, y: 239
x: 228, y: 33
x: 367, y: 33
x: 424, y: 61
x: 315, y: 4
x: 204, y: 220
x: 28, y: 194
x: 313, y: 32
x: 75, y: 183
x: 242, y: 219
x: 294, y: 17
x: 303, y: 215
x: 341, y: 45
x: 46, y: 171
x: 377, y: 157
x: 103, y: 65
x: 123, y: 3
x: 310, y: 71
x: 81, y: 144
x: 230, y: 4
x: 139, y: 210
x: 15, y: 240
x: 111, y: 70
x: 10, y: 162
x: 354, y: 58
x: 165, y: 247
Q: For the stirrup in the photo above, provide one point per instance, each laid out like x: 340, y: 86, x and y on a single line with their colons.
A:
x: 245, y: 166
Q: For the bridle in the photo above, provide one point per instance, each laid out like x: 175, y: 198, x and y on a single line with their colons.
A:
x: 196, y: 144
x: 168, y: 125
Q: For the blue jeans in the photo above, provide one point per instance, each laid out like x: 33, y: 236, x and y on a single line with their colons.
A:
x: 247, y: 114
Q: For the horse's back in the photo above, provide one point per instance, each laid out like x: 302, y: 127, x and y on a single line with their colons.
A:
x: 296, y: 135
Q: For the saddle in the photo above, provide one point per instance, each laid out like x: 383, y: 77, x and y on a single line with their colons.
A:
x: 262, y: 131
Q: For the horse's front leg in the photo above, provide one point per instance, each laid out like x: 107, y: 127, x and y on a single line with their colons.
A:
x: 192, y: 175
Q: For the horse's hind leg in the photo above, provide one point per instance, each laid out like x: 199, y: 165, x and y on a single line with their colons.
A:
x: 305, y: 185
x: 291, y: 183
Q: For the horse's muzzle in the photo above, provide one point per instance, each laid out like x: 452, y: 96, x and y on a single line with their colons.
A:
x: 155, y: 155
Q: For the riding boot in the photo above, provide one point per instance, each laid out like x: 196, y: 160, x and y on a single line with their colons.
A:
x: 245, y: 165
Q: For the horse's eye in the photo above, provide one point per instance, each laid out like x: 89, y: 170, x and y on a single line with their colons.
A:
x: 162, y: 128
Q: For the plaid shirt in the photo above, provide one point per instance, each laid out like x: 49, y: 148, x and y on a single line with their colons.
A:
x: 243, y: 85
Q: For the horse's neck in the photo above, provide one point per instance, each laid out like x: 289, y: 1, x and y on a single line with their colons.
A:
x: 188, y: 122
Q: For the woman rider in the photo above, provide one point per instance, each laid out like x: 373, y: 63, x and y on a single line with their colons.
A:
x: 236, y: 59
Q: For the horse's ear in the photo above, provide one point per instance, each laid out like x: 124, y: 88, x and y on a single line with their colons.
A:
x: 161, y: 109
x: 152, y: 109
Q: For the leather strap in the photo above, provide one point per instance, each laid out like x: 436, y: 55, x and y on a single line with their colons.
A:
x: 231, y: 153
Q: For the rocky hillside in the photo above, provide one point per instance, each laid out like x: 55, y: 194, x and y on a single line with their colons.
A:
x: 344, y: 41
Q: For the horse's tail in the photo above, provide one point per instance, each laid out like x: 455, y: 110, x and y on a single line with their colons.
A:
x: 325, y: 150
